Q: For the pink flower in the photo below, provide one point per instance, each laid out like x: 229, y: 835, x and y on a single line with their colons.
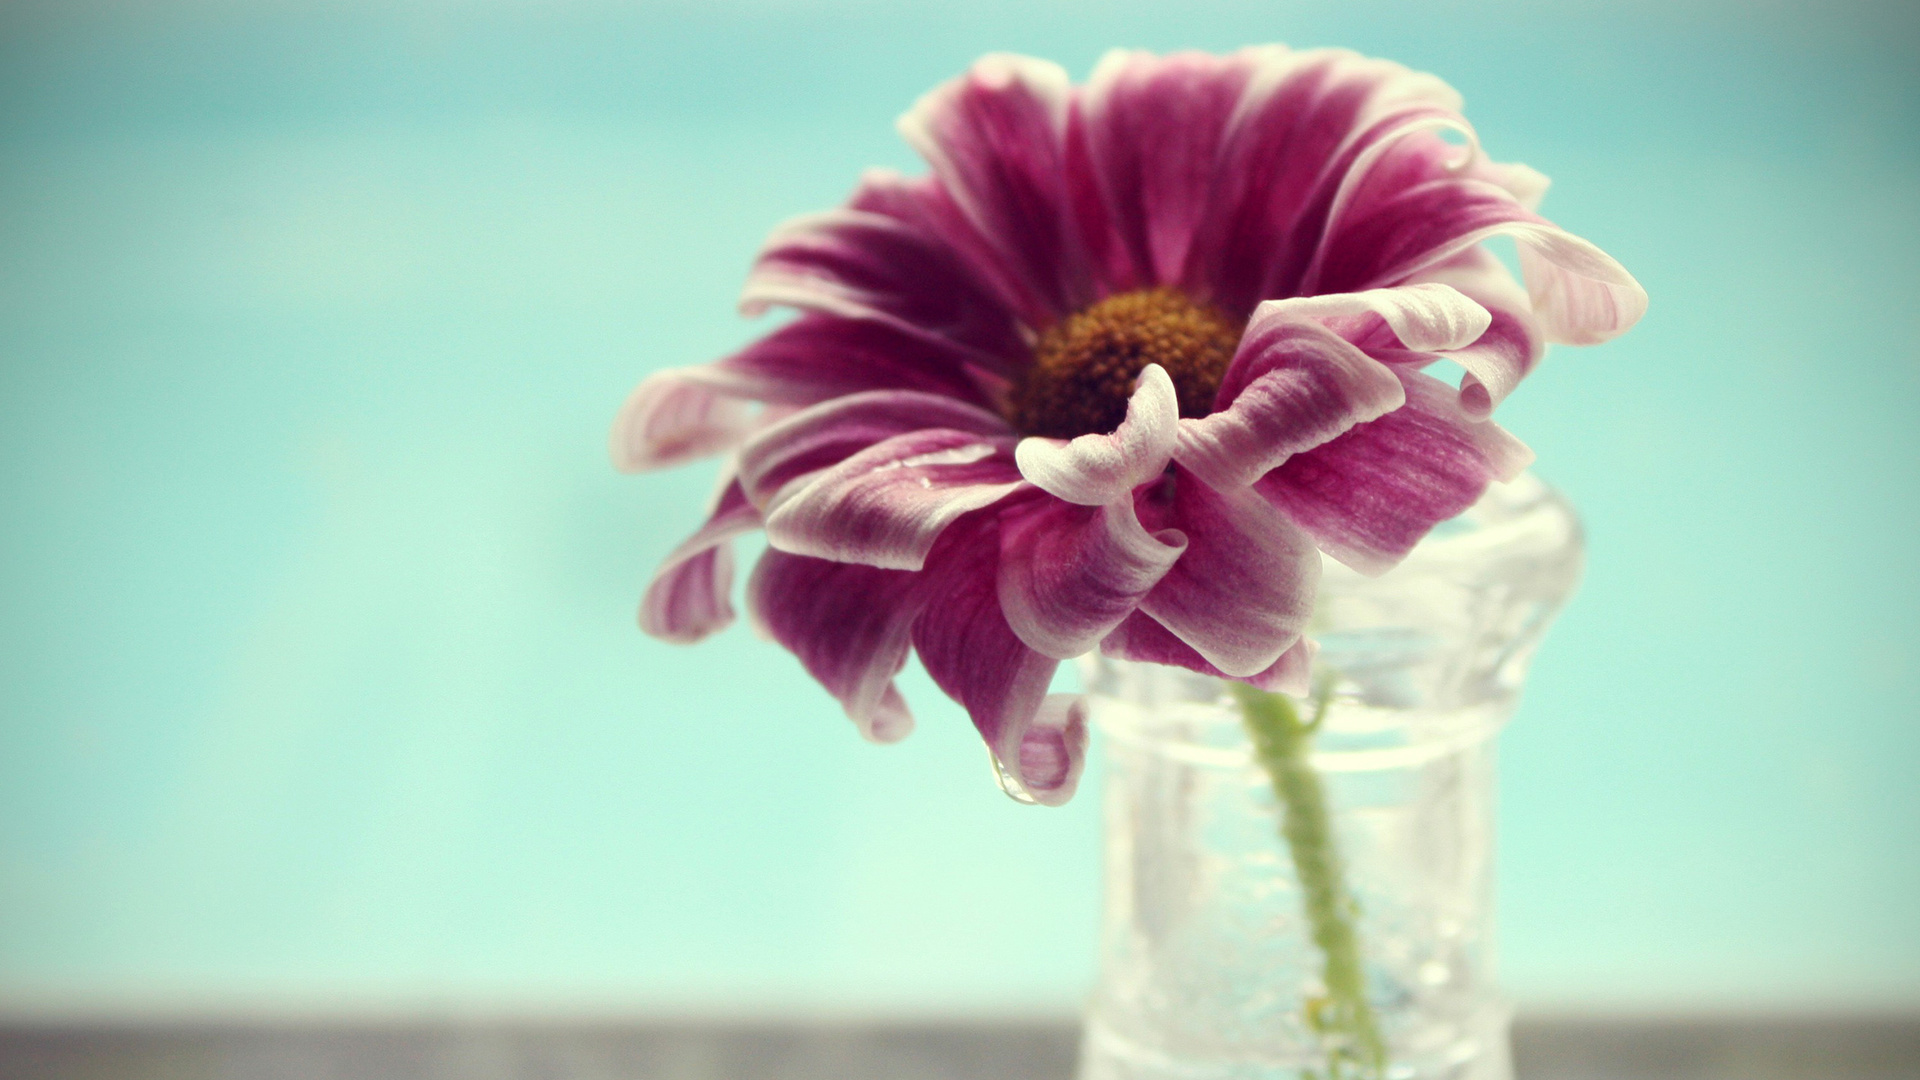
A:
x: 1112, y: 377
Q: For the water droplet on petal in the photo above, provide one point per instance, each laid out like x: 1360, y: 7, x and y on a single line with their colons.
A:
x: 1010, y: 783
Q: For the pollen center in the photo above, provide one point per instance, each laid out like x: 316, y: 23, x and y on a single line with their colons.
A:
x: 1084, y: 366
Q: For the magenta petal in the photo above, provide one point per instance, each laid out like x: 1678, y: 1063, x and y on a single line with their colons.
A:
x: 857, y: 264
x: 1096, y: 469
x: 1417, y: 196
x: 818, y: 357
x: 1302, y: 121
x: 1142, y: 639
x: 1370, y: 495
x: 996, y: 138
x: 1053, y: 749
x: 673, y: 417
x: 1153, y: 128
x: 886, y: 505
x: 685, y: 413
x: 689, y: 595
x: 828, y: 433
x: 924, y: 204
x: 1294, y: 384
x: 1424, y: 201
x: 971, y: 653
x: 1242, y: 592
x: 850, y: 627
x: 1069, y: 574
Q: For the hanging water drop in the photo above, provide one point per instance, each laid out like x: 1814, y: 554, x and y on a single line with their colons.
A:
x: 1010, y: 783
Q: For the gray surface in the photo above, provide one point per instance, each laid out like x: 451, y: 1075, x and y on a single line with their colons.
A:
x: 1754, y: 1049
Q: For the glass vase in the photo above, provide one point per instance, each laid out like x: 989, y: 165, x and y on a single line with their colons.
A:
x: 1210, y: 968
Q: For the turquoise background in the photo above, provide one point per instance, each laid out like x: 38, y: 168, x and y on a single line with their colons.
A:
x: 319, y: 685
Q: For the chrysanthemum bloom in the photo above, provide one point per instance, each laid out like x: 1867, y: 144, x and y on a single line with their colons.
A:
x: 1113, y: 376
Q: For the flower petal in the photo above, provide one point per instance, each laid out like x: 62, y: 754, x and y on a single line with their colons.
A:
x: 828, y: 433
x: 673, y: 417
x: 886, y: 505
x: 1512, y: 345
x: 857, y: 264
x: 996, y: 138
x: 1141, y: 638
x: 1302, y: 121
x: 1309, y: 368
x: 1370, y: 495
x: 1096, y: 469
x: 924, y: 204
x: 818, y: 357
x: 1154, y: 126
x: 1421, y: 203
x: 1580, y: 294
x: 967, y: 647
x: 1293, y: 385
x: 689, y: 596
x: 1053, y: 749
x: 1070, y: 574
x: 1243, y: 591
x: 1426, y: 317
x: 850, y: 627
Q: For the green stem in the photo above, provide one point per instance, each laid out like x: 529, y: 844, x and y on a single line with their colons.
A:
x: 1283, y: 742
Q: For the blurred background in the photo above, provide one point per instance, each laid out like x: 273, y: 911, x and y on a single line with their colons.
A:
x: 320, y: 690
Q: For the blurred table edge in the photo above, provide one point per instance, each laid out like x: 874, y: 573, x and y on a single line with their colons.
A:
x: 1546, y: 1047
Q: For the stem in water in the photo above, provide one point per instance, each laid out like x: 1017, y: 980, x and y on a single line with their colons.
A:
x: 1283, y: 743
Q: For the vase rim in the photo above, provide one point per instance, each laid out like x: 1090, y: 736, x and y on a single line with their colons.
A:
x: 1426, y: 657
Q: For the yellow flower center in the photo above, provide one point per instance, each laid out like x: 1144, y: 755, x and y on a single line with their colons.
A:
x: 1084, y: 366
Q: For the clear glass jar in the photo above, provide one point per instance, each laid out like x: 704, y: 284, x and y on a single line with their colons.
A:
x: 1208, y: 969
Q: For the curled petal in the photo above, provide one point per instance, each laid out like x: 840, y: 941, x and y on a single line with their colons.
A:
x: 828, y: 433
x: 1527, y: 186
x: 1308, y: 369
x: 1580, y: 294
x: 975, y: 657
x: 1242, y: 592
x: 1070, y: 574
x: 1141, y: 638
x: 1294, y: 385
x: 1096, y: 469
x: 1512, y: 345
x: 996, y: 138
x: 673, y: 417
x: 1370, y: 495
x: 1419, y: 205
x: 850, y: 627
x: 1426, y: 317
x: 886, y: 505
x: 856, y: 264
x: 1053, y: 749
x: 689, y: 595
x: 1292, y: 673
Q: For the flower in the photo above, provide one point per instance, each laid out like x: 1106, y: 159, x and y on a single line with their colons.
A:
x: 1113, y: 376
